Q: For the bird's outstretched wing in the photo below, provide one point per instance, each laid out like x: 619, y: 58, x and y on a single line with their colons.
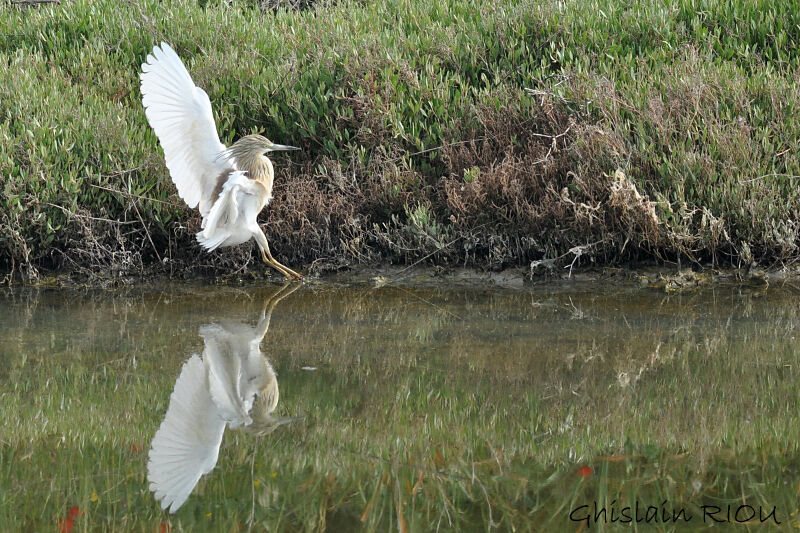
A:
x: 181, y: 115
x: 186, y: 446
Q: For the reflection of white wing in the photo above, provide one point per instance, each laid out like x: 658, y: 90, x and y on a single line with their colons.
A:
x: 180, y: 114
x: 224, y: 374
x: 187, y: 444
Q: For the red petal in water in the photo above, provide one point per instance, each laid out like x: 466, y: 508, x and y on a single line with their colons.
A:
x: 65, y: 525
x: 585, y: 471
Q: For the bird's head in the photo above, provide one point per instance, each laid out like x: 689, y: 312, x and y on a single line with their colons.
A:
x: 250, y: 150
x: 258, y: 144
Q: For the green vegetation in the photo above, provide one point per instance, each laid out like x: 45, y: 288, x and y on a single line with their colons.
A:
x: 414, y: 416
x: 652, y: 130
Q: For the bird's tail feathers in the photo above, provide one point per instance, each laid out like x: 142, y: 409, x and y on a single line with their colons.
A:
x: 212, y: 242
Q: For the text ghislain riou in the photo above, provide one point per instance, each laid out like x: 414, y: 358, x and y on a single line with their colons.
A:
x: 665, y: 513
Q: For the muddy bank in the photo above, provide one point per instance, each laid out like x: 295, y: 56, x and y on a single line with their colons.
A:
x: 658, y: 278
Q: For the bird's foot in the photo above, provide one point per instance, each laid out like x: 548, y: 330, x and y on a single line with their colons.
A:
x: 286, y: 271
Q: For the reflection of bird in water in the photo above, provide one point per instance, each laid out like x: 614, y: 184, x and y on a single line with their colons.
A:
x: 230, y: 185
x: 232, y: 384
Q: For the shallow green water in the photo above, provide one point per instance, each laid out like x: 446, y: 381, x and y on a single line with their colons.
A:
x: 438, y: 405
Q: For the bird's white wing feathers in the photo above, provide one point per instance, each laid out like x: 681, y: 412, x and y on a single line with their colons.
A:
x: 225, y: 208
x: 186, y: 446
x: 180, y: 114
x: 225, y: 211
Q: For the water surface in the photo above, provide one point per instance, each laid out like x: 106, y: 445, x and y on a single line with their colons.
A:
x: 456, y: 406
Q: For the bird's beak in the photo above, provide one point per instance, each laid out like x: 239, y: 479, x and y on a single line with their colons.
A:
x: 281, y: 147
x: 288, y: 420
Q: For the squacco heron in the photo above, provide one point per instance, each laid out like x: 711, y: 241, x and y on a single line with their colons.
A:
x: 230, y: 185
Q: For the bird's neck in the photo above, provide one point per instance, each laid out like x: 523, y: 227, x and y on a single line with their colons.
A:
x: 259, y: 168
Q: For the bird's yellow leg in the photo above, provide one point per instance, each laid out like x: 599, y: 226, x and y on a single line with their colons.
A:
x: 288, y: 272
x: 266, y: 255
x: 274, y: 264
